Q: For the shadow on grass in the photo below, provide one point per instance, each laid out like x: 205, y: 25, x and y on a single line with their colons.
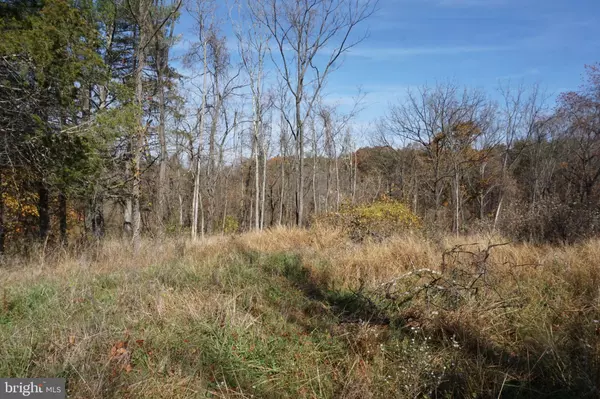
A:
x: 529, y: 374
x: 346, y: 306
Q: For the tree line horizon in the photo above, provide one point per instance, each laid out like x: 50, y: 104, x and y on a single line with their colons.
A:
x: 102, y: 134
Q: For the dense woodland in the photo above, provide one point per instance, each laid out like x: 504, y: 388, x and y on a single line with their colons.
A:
x: 107, y: 130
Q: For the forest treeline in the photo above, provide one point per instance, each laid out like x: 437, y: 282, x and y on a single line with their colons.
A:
x: 111, y: 123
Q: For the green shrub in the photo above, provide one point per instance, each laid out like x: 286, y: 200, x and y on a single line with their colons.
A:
x: 377, y: 220
x: 231, y: 225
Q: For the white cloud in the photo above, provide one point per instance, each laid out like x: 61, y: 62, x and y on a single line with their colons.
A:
x: 458, y: 3
x: 399, y: 52
x: 520, y: 75
x: 471, y: 3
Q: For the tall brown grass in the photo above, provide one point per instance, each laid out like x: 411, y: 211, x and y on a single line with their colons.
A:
x: 464, y: 317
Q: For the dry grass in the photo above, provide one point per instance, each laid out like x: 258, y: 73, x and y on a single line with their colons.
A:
x: 305, y: 313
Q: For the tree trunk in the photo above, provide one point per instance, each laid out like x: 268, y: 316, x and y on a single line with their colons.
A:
x: 197, y: 198
x: 98, y: 218
x: 337, y: 182
x: 43, y: 206
x: 314, y: 170
x: 300, y: 151
x: 264, y: 184
x: 499, y: 208
x: 136, y: 216
x: 211, y: 170
x: 282, y: 144
x: 140, y: 130
x: 179, y: 196
x: 256, y: 166
x: 329, y: 153
x: 127, y: 213
x: 457, y: 201
x: 1, y: 215
x: 354, y: 173
x: 482, y: 193
x: 415, y: 202
x: 62, y: 215
x: 415, y: 189
x: 108, y: 42
x: 180, y: 211
x: 224, y: 218
x: 328, y: 184
x: 162, y: 63
x: 242, y: 181
x: 497, y: 216
x: 162, y: 173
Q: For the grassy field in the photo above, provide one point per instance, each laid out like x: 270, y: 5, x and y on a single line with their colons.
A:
x: 307, y: 314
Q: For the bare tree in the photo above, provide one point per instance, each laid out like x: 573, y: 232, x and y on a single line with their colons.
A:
x: 165, y: 29
x: 265, y: 140
x: 283, y: 143
x: 202, y: 12
x: 223, y: 85
x: 147, y: 31
x: 142, y: 16
x: 309, y: 38
x: 520, y: 114
x: 253, y: 41
x: 444, y: 121
x: 334, y: 123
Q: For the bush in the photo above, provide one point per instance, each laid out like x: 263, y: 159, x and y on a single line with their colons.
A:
x: 552, y: 221
x: 378, y: 220
x: 231, y: 225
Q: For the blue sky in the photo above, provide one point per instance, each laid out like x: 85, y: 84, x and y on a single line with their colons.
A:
x: 475, y: 43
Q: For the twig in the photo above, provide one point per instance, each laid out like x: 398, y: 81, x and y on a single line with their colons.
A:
x: 418, y: 272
